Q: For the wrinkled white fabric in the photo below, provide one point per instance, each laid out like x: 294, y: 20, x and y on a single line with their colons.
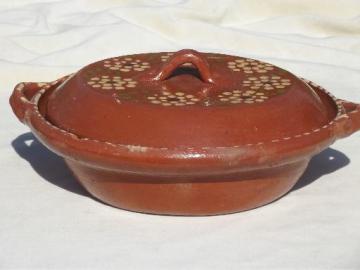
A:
x: 48, y: 222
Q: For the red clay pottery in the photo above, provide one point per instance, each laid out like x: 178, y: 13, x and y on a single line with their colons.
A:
x: 184, y: 133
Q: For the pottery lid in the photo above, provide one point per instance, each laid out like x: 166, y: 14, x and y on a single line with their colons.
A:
x: 185, y: 99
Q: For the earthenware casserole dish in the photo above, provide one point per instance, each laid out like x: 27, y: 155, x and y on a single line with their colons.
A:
x: 184, y: 133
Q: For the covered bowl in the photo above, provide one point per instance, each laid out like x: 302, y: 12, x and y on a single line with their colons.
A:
x: 184, y: 133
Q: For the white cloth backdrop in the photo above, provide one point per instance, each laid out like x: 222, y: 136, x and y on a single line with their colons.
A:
x: 47, y: 221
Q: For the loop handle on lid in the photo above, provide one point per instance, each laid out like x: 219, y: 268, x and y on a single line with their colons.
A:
x: 182, y: 57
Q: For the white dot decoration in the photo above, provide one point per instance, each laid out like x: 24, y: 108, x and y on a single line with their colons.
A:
x: 255, y: 90
x: 166, y: 56
x: 41, y: 84
x: 249, y: 66
x: 126, y: 64
x: 173, y: 99
x: 239, y: 96
x: 267, y: 83
x: 106, y: 82
x: 248, y: 87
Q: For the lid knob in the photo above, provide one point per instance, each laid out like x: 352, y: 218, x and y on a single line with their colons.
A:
x: 182, y: 57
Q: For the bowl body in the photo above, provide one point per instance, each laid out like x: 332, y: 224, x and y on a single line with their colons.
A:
x: 189, y: 196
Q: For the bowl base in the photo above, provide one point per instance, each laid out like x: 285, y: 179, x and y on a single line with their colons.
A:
x: 198, y: 196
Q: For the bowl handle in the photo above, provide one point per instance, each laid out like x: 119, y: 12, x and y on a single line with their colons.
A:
x: 350, y: 120
x: 22, y: 98
x: 182, y: 57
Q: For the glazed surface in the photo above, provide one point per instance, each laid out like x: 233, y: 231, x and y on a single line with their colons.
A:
x: 118, y: 101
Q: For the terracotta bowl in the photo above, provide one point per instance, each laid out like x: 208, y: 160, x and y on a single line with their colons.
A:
x: 184, y: 133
